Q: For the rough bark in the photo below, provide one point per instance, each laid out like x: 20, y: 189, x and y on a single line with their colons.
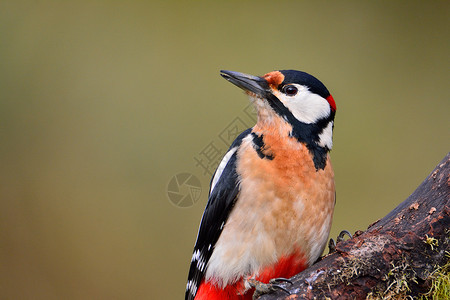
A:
x: 395, y: 256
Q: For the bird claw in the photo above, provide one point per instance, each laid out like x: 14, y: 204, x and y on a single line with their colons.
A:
x: 265, y: 288
x: 340, y: 238
x: 280, y: 280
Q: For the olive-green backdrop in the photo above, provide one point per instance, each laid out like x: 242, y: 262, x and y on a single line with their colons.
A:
x: 102, y: 103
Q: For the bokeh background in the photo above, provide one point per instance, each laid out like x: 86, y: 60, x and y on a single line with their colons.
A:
x: 103, y: 102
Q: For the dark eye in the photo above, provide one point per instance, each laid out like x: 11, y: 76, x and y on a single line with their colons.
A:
x: 289, y: 90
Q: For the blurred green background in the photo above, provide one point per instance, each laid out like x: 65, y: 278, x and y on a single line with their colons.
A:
x: 103, y: 102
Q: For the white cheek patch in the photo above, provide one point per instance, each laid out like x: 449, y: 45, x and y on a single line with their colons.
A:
x: 306, y: 106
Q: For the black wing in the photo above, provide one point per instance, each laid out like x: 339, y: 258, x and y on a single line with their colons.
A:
x: 220, y: 203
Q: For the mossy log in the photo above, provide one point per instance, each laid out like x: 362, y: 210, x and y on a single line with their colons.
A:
x: 394, y: 258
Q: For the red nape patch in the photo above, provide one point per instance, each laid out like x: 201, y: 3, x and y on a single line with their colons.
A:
x: 286, y: 267
x: 274, y: 79
x: 331, y: 102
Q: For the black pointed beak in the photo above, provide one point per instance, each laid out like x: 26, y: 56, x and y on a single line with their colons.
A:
x: 248, y: 83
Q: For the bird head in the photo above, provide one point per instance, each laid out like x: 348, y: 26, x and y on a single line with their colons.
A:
x: 296, y: 97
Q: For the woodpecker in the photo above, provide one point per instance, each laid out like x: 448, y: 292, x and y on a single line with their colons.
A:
x: 272, y: 197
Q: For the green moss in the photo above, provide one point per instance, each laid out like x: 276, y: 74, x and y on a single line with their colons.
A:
x: 440, y: 283
x: 431, y: 241
x: 396, y: 286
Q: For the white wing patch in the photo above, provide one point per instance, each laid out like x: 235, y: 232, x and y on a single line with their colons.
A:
x: 200, y: 262
x: 200, y: 259
x: 196, y: 256
x: 221, y: 167
x: 191, y: 287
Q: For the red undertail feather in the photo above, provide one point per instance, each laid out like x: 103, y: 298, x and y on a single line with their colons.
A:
x: 286, y: 267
